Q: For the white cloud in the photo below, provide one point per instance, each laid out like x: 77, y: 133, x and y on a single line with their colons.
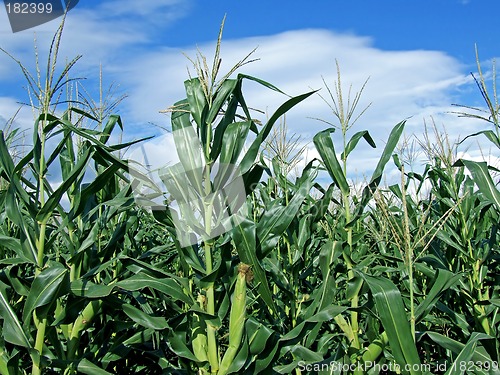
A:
x: 409, y: 85
x: 12, y: 111
x: 107, y: 34
x: 413, y: 85
x: 159, y: 9
x: 402, y: 84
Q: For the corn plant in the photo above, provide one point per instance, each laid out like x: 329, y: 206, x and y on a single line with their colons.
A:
x: 210, y: 128
x: 452, y: 239
x: 347, y: 234
x: 60, y: 243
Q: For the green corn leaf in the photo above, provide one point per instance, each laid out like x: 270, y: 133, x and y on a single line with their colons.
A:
x: 10, y: 172
x: 273, y: 265
x: 90, y: 239
x: 67, y: 164
x: 138, y: 267
x: 329, y: 253
x: 4, y: 360
x: 290, y: 341
x: 5, y: 158
x: 104, y: 158
x: 245, y: 240
x: 12, y: 331
x: 495, y: 301
x: 457, y: 347
x: 268, y: 358
x: 140, y: 337
x: 490, y: 134
x: 89, y: 289
x: 89, y: 368
x: 58, y: 151
x: 305, y: 354
x: 176, y: 341
x: 351, y: 145
x: 483, y: 180
x: 288, y: 368
x: 466, y: 353
x: 121, y: 146
x: 302, y: 355
x: 252, y: 178
x: 228, y: 173
x: 324, y: 145
x: 88, y: 134
x: 22, y: 164
x: 261, y: 82
x: 157, y: 323
x: 458, y: 318
x: 169, y: 287
x: 77, y: 172
x: 392, y: 314
x: 253, y: 150
x: 304, y: 233
x: 49, y: 285
x: 324, y: 315
x: 113, y: 120
x: 276, y: 219
x: 258, y: 335
x: 27, y: 235
x: 233, y: 141
x: 13, y: 244
x: 222, y: 95
x: 99, y: 183
x: 228, y: 118
x: 81, y: 112
x: 368, y: 191
x: 450, y: 238
x: 198, y: 106
x: 188, y: 147
x: 320, y: 207
x: 443, y: 280
x: 85, y: 133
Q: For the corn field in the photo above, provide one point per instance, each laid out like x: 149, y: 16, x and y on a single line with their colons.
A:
x: 302, y: 276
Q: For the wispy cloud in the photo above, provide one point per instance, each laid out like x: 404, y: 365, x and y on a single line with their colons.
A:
x: 107, y: 34
x: 166, y: 10
x: 402, y: 83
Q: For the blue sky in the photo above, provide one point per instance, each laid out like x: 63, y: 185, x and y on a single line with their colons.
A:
x: 452, y: 26
x: 418, y: 55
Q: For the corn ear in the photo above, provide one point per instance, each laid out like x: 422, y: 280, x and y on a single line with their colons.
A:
x: 236, y: 318
x: 81, y: 323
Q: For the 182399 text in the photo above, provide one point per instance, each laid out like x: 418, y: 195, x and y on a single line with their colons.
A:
x: 28, y: 8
